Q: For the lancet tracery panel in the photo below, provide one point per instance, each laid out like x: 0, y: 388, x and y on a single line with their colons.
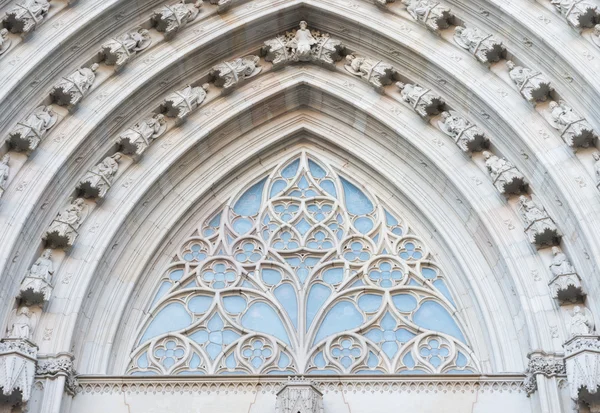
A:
x: 302, y: 273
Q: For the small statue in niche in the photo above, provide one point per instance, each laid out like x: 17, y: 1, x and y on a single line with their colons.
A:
x: 118, y: 51
x: 597, y: 167
x: 467, y: 135
x: 565, y: 284
x: 181, y: 103
x: 25, y: 16
x: 4, y: 173
x: 596, y: 35
x: 23, y: 324
x: 135, y: 140
x: 560, y: 263
x: 483, y: 46
x: 301, y: 43
x: 36, y: 287
x: 532, y: 85
x: 539, y: 227
x: 63, y: 230
x: 575, y: 130
x: 581, y: 322
x: 170, y: 19
x: 5, y: 41
x: 578, y: 13
x: 375, y: 72
x: 506, y: 177
x: 430, y: 13
x: 27, y: 134
x: 422, y: 100
x: 97, y: 182
x: 229, y: 74
x: 71, y: 89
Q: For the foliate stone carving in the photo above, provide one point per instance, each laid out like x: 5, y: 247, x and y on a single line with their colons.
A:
x: 120, y: 50
x: 17, y: 369
x: 4, y: 173
x: 596, y: 35
x: 26, y: 15
x: 430, y: 13
x: 540, y: 362
x: 27, y: 134
x: 63, y: 230
x: 375, y: 72
x: 60, y: 365
x: 466, y: 135
x: 422, y: 100
x: 565, y: 284
x: 229, y: 74
x: 485, y: 47
x: 303, y: 45
x: 181, y: 103
x: 5, y: 41
x: 97, y: 181
x: 506, y: 177
x: 71, y: 89
x: 582, y: 360
x: 532, y: 85
x: 135, y: 140
x: 578, y: 13
x: 299, y: 396
x: 170, y: 19
x: 539, y: 227
x: 574, y: 129
x: 36, y: 288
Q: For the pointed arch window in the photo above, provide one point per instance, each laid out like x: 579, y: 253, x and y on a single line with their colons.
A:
x: 304, y: 272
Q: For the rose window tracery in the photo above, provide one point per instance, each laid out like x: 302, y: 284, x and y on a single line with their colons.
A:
x: 303, y: 272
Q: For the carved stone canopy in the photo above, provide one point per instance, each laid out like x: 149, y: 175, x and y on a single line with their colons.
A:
x: 582, y: 360
x: 17, y: 370
x: 299, y: 395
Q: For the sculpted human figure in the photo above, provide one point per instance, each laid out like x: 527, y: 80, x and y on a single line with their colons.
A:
x: 430, y: 13
x: 533, y: 85
x: 422, y: 100
x: 23, y: 324
x: 36, y: 287
x: 71, y: 89
x: 539, y: 227
x: 579, y: 13
x: 575, y: 130
x: 4, y: 173
x: 43, y: 267
x: 302, y: 43
x: 229, y: 74
x: 467, y: 135
x: 483, y: 46
x: 181, y: 103
x: 118, y: 51
x: 597, y: 167
x: 560, y: 263
x: 377, y: 73
x: 507, y: 178
x: 26, y: 15
x: 172, y: 18
x: 99, y: 179
x: 581, y: 322
x: 565, y: 284
x: 596, y: 35
x: 5, y: 41
x: 28, y: 133
x: 63, y: 230
x: 136, y: 139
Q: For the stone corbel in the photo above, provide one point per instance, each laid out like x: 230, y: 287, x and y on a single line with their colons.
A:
x: 299, y: 395
x: 18, y: 358
x: 542, y: 364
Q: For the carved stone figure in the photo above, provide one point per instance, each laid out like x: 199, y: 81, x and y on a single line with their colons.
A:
x: 581, y: 322
x: 5, y: 41
x: 506, y: 177
x: 63, y: 230
x: 301, y: 43
x: 17, y: 370
x: 97, y: 181
x: 467, y: 135
x: 430, y: 13
x: 299, y: 396
x: 484, y: 47
x: 532, y: 85
x: 574, y: 129
x: 26, y: 15
x: 375, y: 72
x: 565, y: 284
x: 135, y: 140
x: 4, y: 173
x: 170, y: 19
x: 422, y: 100
x: 596, y: 156
x: 27, y: 134
x: 539, y: 227
x: 229, y: 74
x: 579, y: 13
x: 120, y: 50
x: 71, y: 89
x: 23, y: 323
x: 181, y: 103
x: 596, y: 35
x: 36, y: 288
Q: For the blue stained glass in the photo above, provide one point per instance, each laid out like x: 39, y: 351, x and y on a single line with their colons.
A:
x: 433, y: 316
x: 195, y: 361
x: 390, y: 220
x: 317, y: 296
x: 262, y: 318
x: 171, y: 318
x: 303, y: 226
x: 290, y: 170
x: 283, y: 361
x: 199, y: 304
x: 162, y: 290
x: 342, y: 316
x: 278, y: 186
x: 408, y: 361
x: 455, y: 371
x: 369, y: 303
x: 230, y: 361
x: 333, y: 275
x: 144, y: 373
x: 363, y: 225
x: 329, y: 187
x: 234, y: 304
x: 461, y: 360
x: 356, y: 201
x: 358, y: 283
x: 271, y: 276
x: 286, y: 295
x: 441, y: 286
x: 241, y: 226
x: 404, y: 302
x: 191, y: 284
x: 429, y: 273
x: 302, y: 267
x: 316, y: 170
x: 142, y: 361
x: 176, y: 275
x: 249, y: 203
x: 373, y: 360
x: 320, y: 360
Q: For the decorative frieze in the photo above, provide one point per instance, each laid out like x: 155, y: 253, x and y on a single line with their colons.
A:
x: 485, y: 47
x: 539, y: 227
x: 299, y: 395
x: 71, y: 89
x: 4, y: 173
x: 467, y: 136
x: 98, y: 180
x: 375, y: 72
x: 578, y: 13
x: 120, y: 50
x: 565, y: 284
x: 135, y: 140
x: 36, y: 288
x: 532, y: 85
x: 422, y: 100
x: 17, y: 369
x: 574, y: 129
x: 429, y: 13
x: 27, y: 134
x: 506, y: 177
x: 63, y: 230
x: 5, y: 41
x: 181, y: 103
x: 172, y: 18
x: 26, y: 15
x: 542, y: 363
x: 230, y: 74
